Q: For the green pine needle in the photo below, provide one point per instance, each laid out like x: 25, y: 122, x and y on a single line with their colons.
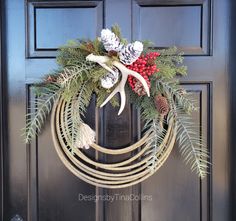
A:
x: 35, y: 119
x: 174, y: 90
x: 191, y: 144
x: 75, y: 111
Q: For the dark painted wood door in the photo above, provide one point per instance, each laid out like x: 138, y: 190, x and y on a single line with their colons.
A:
x: 37, y: 186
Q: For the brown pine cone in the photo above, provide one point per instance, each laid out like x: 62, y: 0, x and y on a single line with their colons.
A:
x: 139, y: 89
x: 51, y: 79
x: 90, y: 46
x: 150, y: 62
x: 112, y: 53
x: 162, y: 105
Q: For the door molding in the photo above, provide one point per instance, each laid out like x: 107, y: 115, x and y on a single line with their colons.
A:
x: 232, y: 81
x: 3, y: 112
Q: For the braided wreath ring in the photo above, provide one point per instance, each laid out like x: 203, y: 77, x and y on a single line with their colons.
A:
x: 115, y: 175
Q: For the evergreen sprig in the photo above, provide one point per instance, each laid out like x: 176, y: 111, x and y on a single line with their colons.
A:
x: 157, y: 134
x: 174, y: 90
x: 169, y: 63
x: 72, y: 78
x: 35, y: 119
x: 75, y: 112
x: 190, y: 141
x: 191, y: 144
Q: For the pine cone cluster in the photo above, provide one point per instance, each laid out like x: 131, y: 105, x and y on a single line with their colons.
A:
x: 162, y: 105
x: 131, y: 52
x: 110, y: 41
x: 127, y: 54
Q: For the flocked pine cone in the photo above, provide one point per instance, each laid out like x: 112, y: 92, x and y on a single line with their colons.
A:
x: 162, y: 105
x: 110, y: 79
x: 110, y: 41
x: 139, y: 89
x: 131, y: 52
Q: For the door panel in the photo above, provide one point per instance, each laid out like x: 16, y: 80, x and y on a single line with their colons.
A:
x: 186, y: 24
x: 37, y: 185
x: 50, y: 24
x: 174, y: 188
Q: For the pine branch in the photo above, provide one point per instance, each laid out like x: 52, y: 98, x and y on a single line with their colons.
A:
x: 116, y: 30
x: 173, y: 89
x: 191, y: 145
x: 169, y: 63
x: 71, y: 79
x: 75, y: 113
x: 43, y: 105
x: 156, y: 137
x: 190, y: 142
x: 148, y: 109
x: 145, y: 103
x: 70, y: 56
x: 71, y: 74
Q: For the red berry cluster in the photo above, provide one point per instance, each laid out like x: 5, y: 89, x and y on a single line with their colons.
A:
x: 144, y: 65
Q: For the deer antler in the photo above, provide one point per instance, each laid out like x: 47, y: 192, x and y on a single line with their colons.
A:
x: 101, y: 60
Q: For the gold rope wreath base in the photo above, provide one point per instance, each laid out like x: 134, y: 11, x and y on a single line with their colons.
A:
x: 121, y: 174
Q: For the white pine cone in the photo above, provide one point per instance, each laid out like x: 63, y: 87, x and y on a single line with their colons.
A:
x: 131, y: 52
x: 110, y: 79
x: 86, y: 136
x: 110, y: 41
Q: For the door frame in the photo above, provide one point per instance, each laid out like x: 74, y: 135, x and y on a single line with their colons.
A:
x: 3, y: 112
x: 4, y: 115
x: 1, y: 115
x: 232, y: 111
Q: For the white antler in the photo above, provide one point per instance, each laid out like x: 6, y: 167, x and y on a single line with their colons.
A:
x: 101, y: 60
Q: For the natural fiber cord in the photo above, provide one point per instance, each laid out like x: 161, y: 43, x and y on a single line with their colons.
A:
x: 109, y: 175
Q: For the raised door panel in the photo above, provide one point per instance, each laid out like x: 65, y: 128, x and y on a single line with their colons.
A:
x: 54, y: 192
x: 185, y: 24
x: 51, y: 24
x: 175, y: 188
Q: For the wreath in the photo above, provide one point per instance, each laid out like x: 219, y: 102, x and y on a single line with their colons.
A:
x: 107, y: 66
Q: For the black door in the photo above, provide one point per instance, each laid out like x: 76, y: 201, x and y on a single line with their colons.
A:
x: 37, y: 186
